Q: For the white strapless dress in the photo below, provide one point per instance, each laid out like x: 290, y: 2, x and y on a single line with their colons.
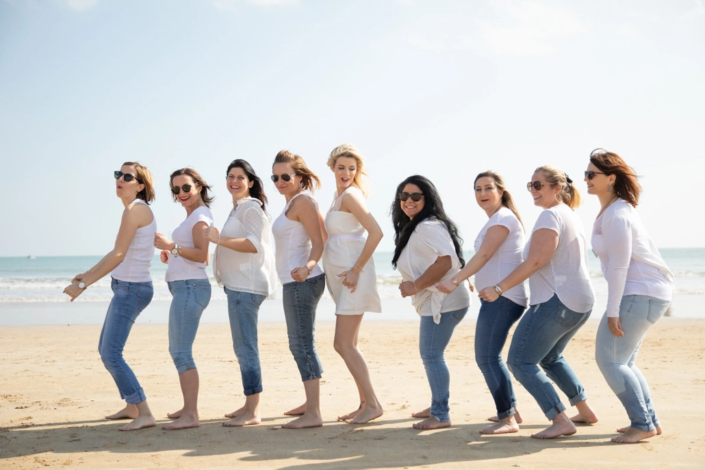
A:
x: 346, y: 240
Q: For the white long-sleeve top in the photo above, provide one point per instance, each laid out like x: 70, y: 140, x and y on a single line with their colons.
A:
x: 631, y: 263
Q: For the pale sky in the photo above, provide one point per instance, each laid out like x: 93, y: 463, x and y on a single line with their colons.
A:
x: 446, y: 89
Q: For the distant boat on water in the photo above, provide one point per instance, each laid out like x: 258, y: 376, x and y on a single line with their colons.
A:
x: 31, y: 257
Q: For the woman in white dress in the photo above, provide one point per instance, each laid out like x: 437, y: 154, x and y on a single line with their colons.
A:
x: 350, y: 271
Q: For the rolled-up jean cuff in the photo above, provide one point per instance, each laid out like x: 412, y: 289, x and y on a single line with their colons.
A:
x: 555, y: 411
x: 137, y: 397
x: 506, y: 414
x: 442, y: 419
x: 641, y: 427
x: 582, y: 396
x: 185, y: 368
x: 253, y: 391
x: 311, y: 377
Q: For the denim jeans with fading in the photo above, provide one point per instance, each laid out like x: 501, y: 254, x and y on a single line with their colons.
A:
x: 190, y: 299
x: 243, y: 308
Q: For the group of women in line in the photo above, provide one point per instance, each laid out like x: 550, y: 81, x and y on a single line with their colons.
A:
x: 428, y: 256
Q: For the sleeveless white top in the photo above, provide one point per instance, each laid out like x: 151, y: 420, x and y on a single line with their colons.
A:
x: 292, y: 244
x: 346, y: 240
x: 138, y: 259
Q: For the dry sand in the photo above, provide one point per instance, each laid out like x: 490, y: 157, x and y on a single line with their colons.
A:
x: 54, y: 392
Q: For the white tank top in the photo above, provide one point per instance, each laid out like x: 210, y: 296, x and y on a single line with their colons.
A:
x: 138, y: 259
x: 292, y: 244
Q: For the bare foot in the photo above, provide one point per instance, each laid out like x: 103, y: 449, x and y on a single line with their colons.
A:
x: 235, y: 413
x: 632, y: 436
x: 505, y: 426
x: 367, y: 415
x: 562, y: 426
x: 246, y: 418
x: 431, y: 423
x: 517, y: 417
x: 144, y: 421
x: 183, y: 422
x: 129, y: 412
x: 298, y: 411
x: 585, y: 418
x: 624, y: 429
x: 305, y: 421
x: 422, y: 414
x: 352, y: 414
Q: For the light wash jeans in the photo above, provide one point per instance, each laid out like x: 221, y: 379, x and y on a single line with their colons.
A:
x: 616, y: 357
x: 190, y: 299
x: 540, y: 338
x: 243, y: 308
x: 300, y: 302
x: 433, y: 340
x: 493, y: 324
x: 129, y: 299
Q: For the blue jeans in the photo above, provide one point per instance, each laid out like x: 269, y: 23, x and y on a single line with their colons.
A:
x: 540, y: 338
x: 493, y: 324
x: 129, y: 299
x: 300, y: 302
x: 243, y: 308
x: 190, y: 299
x: 616, y: 357
x: 433, y: 340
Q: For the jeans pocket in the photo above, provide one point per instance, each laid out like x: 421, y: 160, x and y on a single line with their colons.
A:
x: 201, y: 295
x: 657, y: 308
x: 568, y: 318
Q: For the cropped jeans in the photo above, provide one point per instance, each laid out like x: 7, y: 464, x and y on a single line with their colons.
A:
x: 300, y: 302
x: 129, y: 299
x: 190, y: 299
x: 616, y: 357
x: 493, y: 324
x: 540, y: 338
x: 433, y: 340
x: 243, y: 308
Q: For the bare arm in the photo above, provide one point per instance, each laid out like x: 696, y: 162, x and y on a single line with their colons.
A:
x: 303, y: 210
x: 374, y: 232
x: 432, y: 275
x: 199, y: 252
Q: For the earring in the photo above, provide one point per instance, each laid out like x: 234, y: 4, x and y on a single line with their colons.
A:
x: 609, y: 189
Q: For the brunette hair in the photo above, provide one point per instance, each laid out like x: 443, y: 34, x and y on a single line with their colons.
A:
x: 143, y: 176
x: 569, y: 195
x: 349, y: 150
x: 205, y: 194
x: 507, y: 200
x: 257, y: 189
x: 433, y: 207
x: 626, y: 185
x: 309, y: 180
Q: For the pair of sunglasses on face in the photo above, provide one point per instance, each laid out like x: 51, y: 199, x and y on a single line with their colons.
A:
x: 416, y: 197
x: 537, y: 185
x: 176, y: 190
x: 126, y: 176
x: 285, y: 177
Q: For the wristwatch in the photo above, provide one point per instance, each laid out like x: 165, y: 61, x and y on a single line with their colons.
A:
x: 498, y: 290
x: 81, y: 285
x: 175, y: 251
x: 454, y: 281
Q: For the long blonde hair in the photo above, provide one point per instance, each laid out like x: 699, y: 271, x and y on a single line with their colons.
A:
x: 349, y: 150
x: 309, y: 180
x: 569, y: 195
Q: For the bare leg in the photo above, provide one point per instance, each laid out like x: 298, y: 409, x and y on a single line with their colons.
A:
x: 517, y: 417
x: 312, y: 416
x: 585, y: 414
x: 356, y: 412
x: 249, y: 415
x: 189, y: 413
x: 129, y: 412
x: 144, y: 418
x: 431, y: 423
x: 346, y: 329
x: 562, y: 426
x: 659, y: 430
x: 422, y: 414
x: 504, y: 426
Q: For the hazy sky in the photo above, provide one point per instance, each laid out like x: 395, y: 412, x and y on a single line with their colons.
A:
x: 442, y: 88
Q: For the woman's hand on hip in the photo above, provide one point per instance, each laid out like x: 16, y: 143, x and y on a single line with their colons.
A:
x: 615, y: 326
x: 350, y: 279
x: 300, y: 274
x: 488, y: 294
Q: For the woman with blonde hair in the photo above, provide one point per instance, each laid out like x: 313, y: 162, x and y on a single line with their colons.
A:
x: 639, y: 285
x: 555, y: 262
x: 128, y: 264
x: 299, y: 240
x: 350, y: 271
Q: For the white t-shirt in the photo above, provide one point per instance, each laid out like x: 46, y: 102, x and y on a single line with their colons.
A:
x: 630, y: 261
x: 566, y: 274
x: 430, y: 241
x: 508, y: 256
x: 181, y: 269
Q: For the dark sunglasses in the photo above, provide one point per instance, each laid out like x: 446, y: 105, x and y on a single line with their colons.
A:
x: 176, y: 190
x: 591, y: 174
x: 537, y: 185
x: 285, y: 177
x: 126, y: 176
x: 416, y: 197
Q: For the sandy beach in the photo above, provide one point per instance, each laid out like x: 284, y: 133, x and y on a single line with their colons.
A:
x: 54, y: 392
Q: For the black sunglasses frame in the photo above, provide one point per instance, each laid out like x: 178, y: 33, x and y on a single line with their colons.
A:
x: 176, y: 189
x: 286, y: 177
x: 416, y: 197
x: 591, y: 174
x: 126, y: 176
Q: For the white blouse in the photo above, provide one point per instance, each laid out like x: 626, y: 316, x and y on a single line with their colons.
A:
x: 630, y: 261
x: 430, y: 241
x: 566, y: 274
x: 247, y: 272
x: 181, y: 269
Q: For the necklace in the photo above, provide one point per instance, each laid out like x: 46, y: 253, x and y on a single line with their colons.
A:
x: 611, y: 201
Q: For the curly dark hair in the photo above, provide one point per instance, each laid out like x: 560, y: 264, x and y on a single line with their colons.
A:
x: 433, y: 207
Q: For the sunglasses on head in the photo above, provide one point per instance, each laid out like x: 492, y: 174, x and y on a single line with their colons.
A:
x: 126, y: 176
x: 285, y: 177
x: 176, y: 190
x: 537, y: 185
x: 416, y: 197
x: 591, y: 174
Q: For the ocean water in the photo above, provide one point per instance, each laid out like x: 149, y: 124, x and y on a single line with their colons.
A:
x: 44, y: 278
